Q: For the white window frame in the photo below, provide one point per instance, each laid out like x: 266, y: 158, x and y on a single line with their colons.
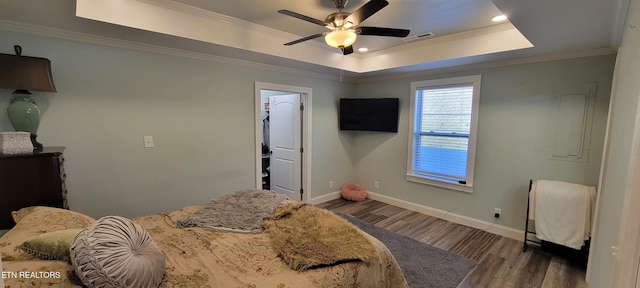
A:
x: 471, y: 152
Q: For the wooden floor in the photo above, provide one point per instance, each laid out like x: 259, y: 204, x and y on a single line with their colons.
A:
x: 500, y: 260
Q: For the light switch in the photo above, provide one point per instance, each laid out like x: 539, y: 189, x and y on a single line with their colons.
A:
x: 148, y: 141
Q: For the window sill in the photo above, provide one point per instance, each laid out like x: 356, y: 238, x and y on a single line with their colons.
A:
x: 448, y: 185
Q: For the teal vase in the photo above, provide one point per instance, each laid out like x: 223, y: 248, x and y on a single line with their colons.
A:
x: 24, y: 115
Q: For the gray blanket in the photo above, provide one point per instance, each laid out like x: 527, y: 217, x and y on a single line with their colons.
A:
x: 242, y: 211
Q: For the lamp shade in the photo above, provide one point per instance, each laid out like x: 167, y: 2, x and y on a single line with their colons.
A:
x: 340, y: 38
x: 26, y: 73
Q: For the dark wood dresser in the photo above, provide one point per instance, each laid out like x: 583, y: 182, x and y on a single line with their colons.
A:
x: 36, y: 179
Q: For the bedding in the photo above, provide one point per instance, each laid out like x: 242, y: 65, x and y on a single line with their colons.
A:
x: 241, y: 211
x: 200, y: 257
x: 307, y: 237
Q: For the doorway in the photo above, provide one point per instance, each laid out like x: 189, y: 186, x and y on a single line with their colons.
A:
x: 284, y: 164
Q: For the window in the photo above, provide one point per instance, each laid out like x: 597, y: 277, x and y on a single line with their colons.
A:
x: 444, y: 115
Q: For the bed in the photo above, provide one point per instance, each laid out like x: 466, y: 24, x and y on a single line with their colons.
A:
x: 198, y: 256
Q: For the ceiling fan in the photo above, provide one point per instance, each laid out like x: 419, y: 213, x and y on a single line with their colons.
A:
x: 344, y: 26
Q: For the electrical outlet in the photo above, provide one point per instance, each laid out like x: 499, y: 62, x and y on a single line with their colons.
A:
x: 497, y: 212
x: 331, y: 184
x: 376, y: 184
x: 148, y: 141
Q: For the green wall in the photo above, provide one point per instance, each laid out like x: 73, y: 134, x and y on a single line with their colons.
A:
x: 513, y: 137
x: 200, y: 114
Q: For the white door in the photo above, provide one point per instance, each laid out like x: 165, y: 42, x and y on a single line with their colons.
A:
x: 285, y: 144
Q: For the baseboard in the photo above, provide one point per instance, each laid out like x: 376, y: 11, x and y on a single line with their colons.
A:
x: 451, y: 217
x: 325, y: 198
x: 438, y: 213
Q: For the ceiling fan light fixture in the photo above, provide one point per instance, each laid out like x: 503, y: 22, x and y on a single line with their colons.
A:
x: 340, y: 38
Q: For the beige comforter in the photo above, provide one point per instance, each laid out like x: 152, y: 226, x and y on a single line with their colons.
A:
x: 201, y: 258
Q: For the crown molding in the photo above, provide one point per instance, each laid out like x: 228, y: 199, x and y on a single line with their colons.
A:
x: 209, y: 27
x: 43, y: 31
x: 217, y: 17
x: 489, y: 64
x: 619, y: 19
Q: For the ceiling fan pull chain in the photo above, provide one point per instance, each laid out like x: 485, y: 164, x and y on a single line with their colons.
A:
x: 342, y: 70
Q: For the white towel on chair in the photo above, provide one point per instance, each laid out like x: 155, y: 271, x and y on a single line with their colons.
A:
x: 563, y: 212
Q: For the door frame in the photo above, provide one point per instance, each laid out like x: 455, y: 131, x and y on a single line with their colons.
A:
x: 305, y: 99
x: 627, y: 268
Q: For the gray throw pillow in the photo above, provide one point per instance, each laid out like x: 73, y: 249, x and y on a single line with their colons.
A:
x: 116, y: 252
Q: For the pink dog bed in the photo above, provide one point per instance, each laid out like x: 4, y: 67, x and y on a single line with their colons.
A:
x: 353, y: 192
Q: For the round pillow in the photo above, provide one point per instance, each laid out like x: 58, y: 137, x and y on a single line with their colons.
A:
x: 353, y: 192
x: 116, y: 252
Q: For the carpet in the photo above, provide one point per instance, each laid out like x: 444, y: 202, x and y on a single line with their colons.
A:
x: 423, y: 265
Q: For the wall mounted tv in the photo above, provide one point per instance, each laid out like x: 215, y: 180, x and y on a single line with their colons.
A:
x: 369, y: 114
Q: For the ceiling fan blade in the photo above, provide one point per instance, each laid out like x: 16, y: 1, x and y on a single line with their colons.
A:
x: 302, y: 17
x: 379, y: 31
x: 347, y: 50
x: 366, y: 11
x: 304, y: 39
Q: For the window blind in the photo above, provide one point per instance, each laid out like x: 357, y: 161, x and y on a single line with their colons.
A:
x: 442, y: 129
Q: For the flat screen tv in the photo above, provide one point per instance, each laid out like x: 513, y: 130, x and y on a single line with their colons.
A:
x: 368, y: 114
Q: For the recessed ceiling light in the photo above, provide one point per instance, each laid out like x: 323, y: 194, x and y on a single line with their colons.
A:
x: 363, y: 49
x: 499, y: 18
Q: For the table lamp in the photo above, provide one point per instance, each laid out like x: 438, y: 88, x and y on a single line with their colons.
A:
x: 24, y: 73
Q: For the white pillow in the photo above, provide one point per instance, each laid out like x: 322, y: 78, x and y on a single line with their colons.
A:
x: 116, y: 252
